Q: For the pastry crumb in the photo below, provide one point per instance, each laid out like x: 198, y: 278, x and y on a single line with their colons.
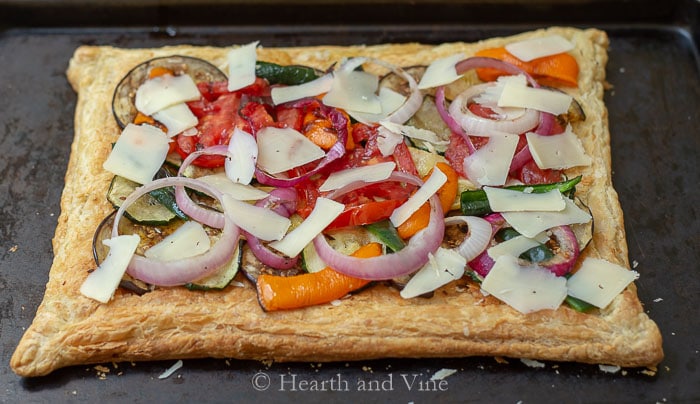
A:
x: 501, y: 360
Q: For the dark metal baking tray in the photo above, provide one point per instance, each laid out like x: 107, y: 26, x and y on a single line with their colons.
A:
x: 654, y: 107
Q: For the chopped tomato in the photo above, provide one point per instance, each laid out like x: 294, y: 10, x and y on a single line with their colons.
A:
x: 257, y: 115
x: 531, y: 174
x: 289, y: 117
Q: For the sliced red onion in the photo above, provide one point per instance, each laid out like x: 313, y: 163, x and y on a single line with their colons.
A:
x: 478, y: 237
x: 182, y: 271
x: 567, y: 251
x: 449, y: 120
x: 479, y: 126
x: 199, y: 213
x: 479, y: 62
x: 283, y: 202
x: 388, y: 266
x: 483, y: 262
x: 520, y: 159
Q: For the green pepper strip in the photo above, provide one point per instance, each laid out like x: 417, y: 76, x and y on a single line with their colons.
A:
x: 475, y: 202
x: 288, y: 75
x: 387, y: 234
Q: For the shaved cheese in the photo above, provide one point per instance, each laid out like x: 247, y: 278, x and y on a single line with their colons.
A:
x: 370, y: 173
x: 415, y: 133
x: 236, y: 190
x: 508, y: 200
x: 429, y: 188
x: 531, y: 223
x: 525, y: 288
x: 513, y: 247
x: 354, y: 91
x: 490, y: 164
x: 446, y: 266
x: 598, y: 281
x: 515, y: 94
x: 177, y: 118
x: 387, y: 141
x: 241, y: 66
x: 188, y: 240
x: 138, y: 153
x: 560, y: 151
x: 263, y: 223
x: 283, y: 94
x: 440, y: 72
x: 164, y: 91
x: 324, y: 212
x: 102, y: 282
x: 389, y: 100
x: 243, y: 153
x: 533, y: 48
x: 281, y: 149
x: 172, y: 369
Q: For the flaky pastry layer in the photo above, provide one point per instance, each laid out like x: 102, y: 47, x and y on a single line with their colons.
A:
x: 70, y: 329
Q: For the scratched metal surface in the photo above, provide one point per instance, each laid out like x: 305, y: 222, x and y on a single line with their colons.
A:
x: 654, y: 108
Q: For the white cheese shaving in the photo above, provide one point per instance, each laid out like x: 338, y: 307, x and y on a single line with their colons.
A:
x: 282, y: 94
x: 263, y: 223
x: 515, y: 94
x: 428, y: 189
x: 188, y: 240
x: 532, y: 363
x: 442, y: 374
x: 390, y: 101
x: 242, y: 156
x: 169, y: 372
x: 281, y: 149
x: 440, y: 72
x: 598, y: 281
x: 513, y: 247
x: 101, y: 283
x: 533, y: 48
x: 508, y: 200
x: 164, y: 91
x: 525, y: 288
x: 236, y: 190
x: 446, y: 266
x: 558, y: 152
x: 241, y: 66
x: 138, y: 153
x: 387, y: 141
x: 532, y: 223
x: 354, y: 91
x: 177, y: 118
x: 490, y: 164
x: 323, y: 214
x: 370, y: 173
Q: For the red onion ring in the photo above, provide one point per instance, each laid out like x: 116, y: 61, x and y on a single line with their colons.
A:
x: 559, y: 265
x: 476, y: 125
x: 477, y: 239
x: 388, y: 266
x: 201, y: 214
x: 450, y: 121
x: 283, y: 202
x: 182, y: 271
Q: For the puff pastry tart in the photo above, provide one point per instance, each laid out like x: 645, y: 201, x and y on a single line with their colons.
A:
x: 341, y: 203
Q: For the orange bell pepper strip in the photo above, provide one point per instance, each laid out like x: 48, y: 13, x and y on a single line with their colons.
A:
x: 554, y: 70
x: 324, y: 286
x: 447, y: 194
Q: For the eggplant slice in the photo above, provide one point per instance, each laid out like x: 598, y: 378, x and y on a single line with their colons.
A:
x: 123, y: 106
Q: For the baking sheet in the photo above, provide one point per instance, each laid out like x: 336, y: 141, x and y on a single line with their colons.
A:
x: 654, y: 107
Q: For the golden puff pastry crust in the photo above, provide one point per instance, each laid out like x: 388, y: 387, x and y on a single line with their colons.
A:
x: 169, y: 323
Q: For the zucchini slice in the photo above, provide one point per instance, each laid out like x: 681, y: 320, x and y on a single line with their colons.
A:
x: 427, y: 117
x: 146, y: 210
x: 222, y: 278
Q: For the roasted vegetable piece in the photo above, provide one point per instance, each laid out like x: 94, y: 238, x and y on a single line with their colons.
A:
x: 123, y: 106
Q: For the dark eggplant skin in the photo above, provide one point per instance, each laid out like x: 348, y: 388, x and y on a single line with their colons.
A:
x: 200, y: 70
